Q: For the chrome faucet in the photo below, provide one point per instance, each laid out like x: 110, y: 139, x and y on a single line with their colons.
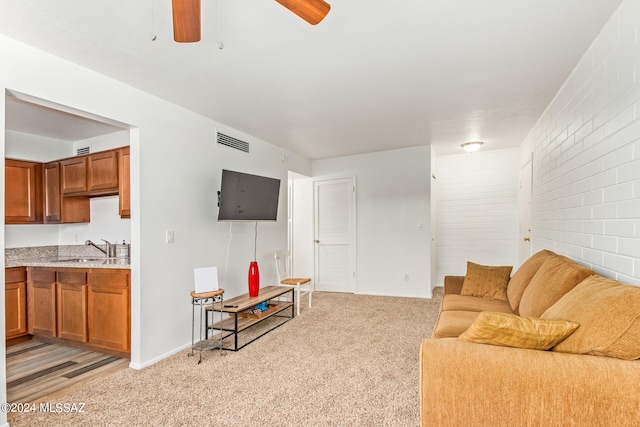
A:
x: 106, y: 252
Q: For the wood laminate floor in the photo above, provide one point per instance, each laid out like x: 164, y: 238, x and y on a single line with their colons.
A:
x: 38, y: 371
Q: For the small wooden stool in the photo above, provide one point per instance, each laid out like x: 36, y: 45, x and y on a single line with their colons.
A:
x: 202, y: 300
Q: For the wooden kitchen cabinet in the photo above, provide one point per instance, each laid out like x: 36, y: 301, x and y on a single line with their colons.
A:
x: 73, y: 173
x: 59, y: 209
x: 71, y: 305
x: 15, y: 297
x: 41, y: 301
x: 90, y: 175
x: 109, y: 309
x: 52, y: 193
x: 103, y: 172
x: 89, y: 308
x: 58, y: 192
x: 22, y: 192
x: 124, y: 161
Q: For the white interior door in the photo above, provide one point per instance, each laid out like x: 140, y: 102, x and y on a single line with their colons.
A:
x: 524, y: 202
x: 335, y: 244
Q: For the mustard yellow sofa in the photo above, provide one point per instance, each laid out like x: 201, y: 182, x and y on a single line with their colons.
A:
x: 589, y: 378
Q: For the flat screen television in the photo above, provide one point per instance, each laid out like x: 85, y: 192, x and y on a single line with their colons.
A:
x: 245, y: 197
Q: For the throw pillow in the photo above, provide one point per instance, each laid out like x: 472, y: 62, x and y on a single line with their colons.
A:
x: 510, y: 330
x: 522, y: 277
x: 487, y: 282
x: 609, y: 316
x: 555, y: 277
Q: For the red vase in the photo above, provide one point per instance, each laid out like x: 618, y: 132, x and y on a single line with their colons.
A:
x: 254, y: 279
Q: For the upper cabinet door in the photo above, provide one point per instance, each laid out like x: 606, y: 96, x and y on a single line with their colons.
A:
x: 59, y: 209
x: 103, y: 172
x: 74, y: 175
x: 125, y: 175
x: 22, y: 192
x: 92, y: 175
x: 52, y: 193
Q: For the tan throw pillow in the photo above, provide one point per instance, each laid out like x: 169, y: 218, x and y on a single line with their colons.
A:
x: 555, y: 277
x: 609, y: 316
x: 487, y: 282
x: 521, y: 278
x: 510, y: 330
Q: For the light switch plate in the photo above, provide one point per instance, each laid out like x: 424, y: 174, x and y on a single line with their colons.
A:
x: 169, y: 236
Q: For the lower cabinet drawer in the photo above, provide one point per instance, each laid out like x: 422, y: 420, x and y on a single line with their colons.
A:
x: 111, y: 277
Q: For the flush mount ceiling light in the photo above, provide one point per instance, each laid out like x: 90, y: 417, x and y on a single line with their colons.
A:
x: 470, y: 147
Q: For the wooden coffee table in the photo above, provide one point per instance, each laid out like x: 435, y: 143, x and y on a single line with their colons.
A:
x: 238, y: 321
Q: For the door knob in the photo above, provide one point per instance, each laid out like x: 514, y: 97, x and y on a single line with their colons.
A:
x: 527, y: 239
x: 317, y: 241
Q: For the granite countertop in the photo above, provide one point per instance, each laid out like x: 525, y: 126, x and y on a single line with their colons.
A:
x: 71, y: 256
x: 69, y: 262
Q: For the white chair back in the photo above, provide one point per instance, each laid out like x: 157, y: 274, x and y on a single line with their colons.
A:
x: 283, y: 261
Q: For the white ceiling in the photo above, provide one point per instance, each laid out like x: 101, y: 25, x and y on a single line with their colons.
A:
x: 27, y: 117
x: 374, y: 75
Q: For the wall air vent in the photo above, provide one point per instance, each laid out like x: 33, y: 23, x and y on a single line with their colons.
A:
x: 231, y: 142
x: 83, y: 150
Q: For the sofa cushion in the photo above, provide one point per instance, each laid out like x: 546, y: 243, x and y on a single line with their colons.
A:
x: 609, y: 316
x: 486, y: 281
x: 466, y: 303
x: 522, y: 277
x: 555, y: 277
x: 452, y: 323
x: 510, y: 330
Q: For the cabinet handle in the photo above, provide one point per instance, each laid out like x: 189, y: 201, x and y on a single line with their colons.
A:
x: 527, y: 239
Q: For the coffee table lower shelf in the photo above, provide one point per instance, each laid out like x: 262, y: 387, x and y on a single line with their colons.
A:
x: 237, y: 323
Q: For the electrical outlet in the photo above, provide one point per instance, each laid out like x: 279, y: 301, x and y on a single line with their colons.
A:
x: 169, y: 236
x: 406, y: 277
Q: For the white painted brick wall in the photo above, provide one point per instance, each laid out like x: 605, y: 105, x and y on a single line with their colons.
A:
x: 586, y: 151
x: 476, y: 210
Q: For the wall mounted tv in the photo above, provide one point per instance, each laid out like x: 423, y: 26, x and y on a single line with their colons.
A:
x: 245, y: 197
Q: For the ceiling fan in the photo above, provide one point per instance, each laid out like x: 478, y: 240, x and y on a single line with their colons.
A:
x: 186, y: 16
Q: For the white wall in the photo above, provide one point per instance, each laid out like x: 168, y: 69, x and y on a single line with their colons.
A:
x: 105, y: 224
x: 586, y: 156
x: 393, y: 198
x: 433, y: 247
x: 104, y: 142
x: 476, y: 210
x: 175, y: 173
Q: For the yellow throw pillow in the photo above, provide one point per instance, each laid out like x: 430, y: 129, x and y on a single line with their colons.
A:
x: 510, y: 330
x: 486, y: 282
x: 609, y: 314
x: 523, y: 275
x: 555, y: 277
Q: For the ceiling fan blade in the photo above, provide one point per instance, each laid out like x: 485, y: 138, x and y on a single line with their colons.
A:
x: 312, y: 11
x: 186, y: 20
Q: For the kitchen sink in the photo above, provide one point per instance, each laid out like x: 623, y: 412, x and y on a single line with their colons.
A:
x: 80, y: 260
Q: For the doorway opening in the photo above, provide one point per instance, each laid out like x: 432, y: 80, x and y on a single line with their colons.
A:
x: 300, y: 224
x: 41, y: 131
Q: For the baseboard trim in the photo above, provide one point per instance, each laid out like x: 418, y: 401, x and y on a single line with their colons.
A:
x: 139, y: 366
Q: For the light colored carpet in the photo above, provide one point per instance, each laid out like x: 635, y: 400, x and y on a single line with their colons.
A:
x: 351, y: 360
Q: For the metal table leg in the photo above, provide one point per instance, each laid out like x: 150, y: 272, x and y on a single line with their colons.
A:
x: 202, y: 300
